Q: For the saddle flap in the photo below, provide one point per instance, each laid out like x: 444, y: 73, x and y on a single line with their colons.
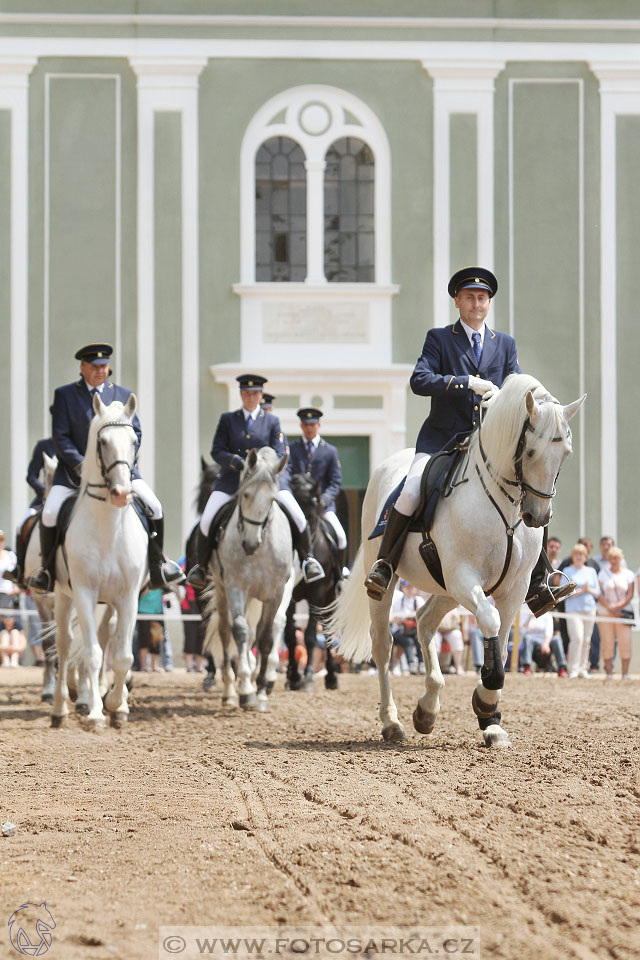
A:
x: 221, y: 520
x: 64, y: 517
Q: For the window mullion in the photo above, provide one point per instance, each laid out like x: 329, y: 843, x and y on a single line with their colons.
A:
x: 315, y: 221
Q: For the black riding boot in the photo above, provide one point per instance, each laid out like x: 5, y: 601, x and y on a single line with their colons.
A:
x: 198, y: 577
x: 393, y: 541
x: 311, y: 568
x: 43, y: 580
x: 162, y: 573
x: 542, y: 597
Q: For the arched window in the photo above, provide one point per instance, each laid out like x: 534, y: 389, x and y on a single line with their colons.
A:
x: 281, y: 207
x: 349, y: 224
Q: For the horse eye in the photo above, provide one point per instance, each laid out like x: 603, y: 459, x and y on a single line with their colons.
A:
x: 530, y: 453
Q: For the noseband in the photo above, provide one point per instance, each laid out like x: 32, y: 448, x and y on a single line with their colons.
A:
x: 104, y: 469
x: 254, y: 523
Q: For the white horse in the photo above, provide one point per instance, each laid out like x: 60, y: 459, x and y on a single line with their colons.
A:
x: 253, y: 560
x: 104, y: 561
x: 513, y: 464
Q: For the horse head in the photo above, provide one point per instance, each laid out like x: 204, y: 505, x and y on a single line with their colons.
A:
x: 258, y: 489
x: 307, y: 493
x: 208, y: 477
x: 114, y: 438
x: 50, y: 465
x: 544, y: 446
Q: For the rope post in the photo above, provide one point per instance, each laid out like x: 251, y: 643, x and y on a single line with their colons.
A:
x: 515, y: 644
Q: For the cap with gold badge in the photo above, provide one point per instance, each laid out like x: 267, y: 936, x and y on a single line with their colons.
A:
x: 251, y: 381
x: 95, y: 353
x: 309, y: 415
x: 473, y: 277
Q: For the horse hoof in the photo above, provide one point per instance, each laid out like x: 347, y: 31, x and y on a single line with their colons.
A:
x: 331, y: 683
x: 82, y: 709
x: 118, y: 720
x: 47, y: 698
x: 209, y: 682
x: 73, y: 694
x: 495, y: 736
x: 57, y: 722
x: 270, y: 684
x: 423, y: 722
x: 481, y: 709
x: 248, y: 701
x: 394, y: 734
x: 229, y: 701
x: 263, y: 706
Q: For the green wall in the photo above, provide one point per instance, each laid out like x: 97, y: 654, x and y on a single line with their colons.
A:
x: 5, y: 322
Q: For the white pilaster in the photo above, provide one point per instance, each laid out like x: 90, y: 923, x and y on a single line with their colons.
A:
x: 169, y: 85
x: 460, y: 87
x: 14, y: 97
x: 315, y: 221
x: 619, y: 94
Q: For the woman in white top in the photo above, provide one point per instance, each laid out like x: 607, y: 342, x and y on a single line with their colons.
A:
x: 616, y: 585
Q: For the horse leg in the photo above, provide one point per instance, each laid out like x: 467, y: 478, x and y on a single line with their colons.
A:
x: 266, y: 641
x: 277, y: 630
x: 104, y: 635
x: 116, y: 700
x: 382, y: 642
x: 493, y: 732
x: 241, y: 633
x: 85, y: 603
x: 294, y: 680
x: 331, y: 679
x: 486, y: 696
x: 62, y: 607
x: 229, y: 696
x: 428, y: 617
x: 83, y: 690
x: 50, y: 658
x: 310, y: 644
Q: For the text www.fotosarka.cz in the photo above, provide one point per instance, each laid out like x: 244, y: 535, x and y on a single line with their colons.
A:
x: 259, y: 943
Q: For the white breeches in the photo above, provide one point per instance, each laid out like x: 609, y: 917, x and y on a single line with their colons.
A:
x: 337, y: 529
x: 218, y: 499
x: 408, y: 500
x: 58, y: 494
x: 30, y: 513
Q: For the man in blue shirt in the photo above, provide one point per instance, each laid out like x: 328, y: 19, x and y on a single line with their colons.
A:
x: 461, y: 366
x: 237, y: 433
x: 72, y: 412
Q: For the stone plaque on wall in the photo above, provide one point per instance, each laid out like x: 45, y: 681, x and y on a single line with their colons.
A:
x: 315, y: 323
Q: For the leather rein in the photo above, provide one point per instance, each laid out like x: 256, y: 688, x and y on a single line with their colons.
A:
x: 104, y: 469
x: 518, y: 482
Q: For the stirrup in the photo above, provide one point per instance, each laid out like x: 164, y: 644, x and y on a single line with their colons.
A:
x: 198, y: 578
x: 311, y: 578
x: 170, y: 574
x: 379, y: 579
x: 549, y: 597
x: 38, y: 584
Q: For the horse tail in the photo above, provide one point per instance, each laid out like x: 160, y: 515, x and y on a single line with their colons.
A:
x: 349, y: 620
x: 211, y: 643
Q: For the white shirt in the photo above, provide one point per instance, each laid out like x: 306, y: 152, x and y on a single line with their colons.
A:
x: 91, y: 389
x: 469, y: 331
x: 250, y: 414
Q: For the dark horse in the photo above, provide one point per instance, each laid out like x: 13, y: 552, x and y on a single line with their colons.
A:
x: 208, y: 478
x: 319, y: 594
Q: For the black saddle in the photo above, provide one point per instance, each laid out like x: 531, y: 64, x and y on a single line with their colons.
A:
x: 220, y: 521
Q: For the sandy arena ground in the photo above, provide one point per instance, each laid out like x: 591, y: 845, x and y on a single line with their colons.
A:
x: 195, y: 814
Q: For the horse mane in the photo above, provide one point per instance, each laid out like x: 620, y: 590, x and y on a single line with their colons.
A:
x: 267, y: 460
x: 505, y: 417
x: 208, y: 477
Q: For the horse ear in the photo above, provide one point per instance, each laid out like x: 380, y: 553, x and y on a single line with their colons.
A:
x: 282, y: 464
x: 532, y: 407
x: 572, y: 408
x: 130, y: 405
x: 203, y: 463
x: 252, y: 459
x: 48, y: 462
x: 97, y: 404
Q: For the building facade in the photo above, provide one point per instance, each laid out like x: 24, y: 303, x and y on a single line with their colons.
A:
x: 287, y: 193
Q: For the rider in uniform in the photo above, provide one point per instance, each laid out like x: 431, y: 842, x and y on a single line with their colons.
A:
x: 72, y: 412
x: 237, y: 433
x: 313, y: 456
x: 461, y: 366
x: 266, y: 403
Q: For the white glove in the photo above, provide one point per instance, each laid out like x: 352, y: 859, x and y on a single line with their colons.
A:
x: 483, y: 388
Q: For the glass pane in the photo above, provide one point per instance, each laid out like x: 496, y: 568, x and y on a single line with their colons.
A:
x: 349, y: 211
x: 281, y: 206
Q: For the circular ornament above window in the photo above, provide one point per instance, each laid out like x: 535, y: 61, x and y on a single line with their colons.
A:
x: 314, y: 118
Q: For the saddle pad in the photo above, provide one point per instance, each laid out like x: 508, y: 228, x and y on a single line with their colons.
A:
x: 221, y: 519
x: 64, y: 517
x: 141, y: 509
x: 435, y: 474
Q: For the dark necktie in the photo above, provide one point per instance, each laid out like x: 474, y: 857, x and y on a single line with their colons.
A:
x: 477, y: 347
x: 309, y: 450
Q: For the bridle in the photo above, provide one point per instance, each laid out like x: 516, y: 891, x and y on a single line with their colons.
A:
x: 517, y: 467
x: 254, y: 523
x: 104, y: 469
x: 518, y: 482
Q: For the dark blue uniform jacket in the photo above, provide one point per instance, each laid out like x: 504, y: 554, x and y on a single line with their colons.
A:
x: 235, y: 437
x: 323, y: 466
x: 36, y: 466
x: 442, y: 373
x: 71, y: 414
